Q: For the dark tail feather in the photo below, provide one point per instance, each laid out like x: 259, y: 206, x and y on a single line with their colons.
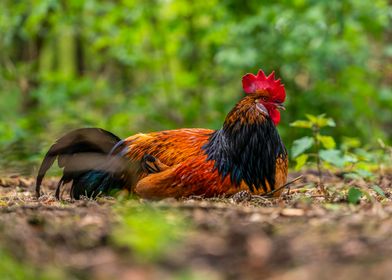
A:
x: 89, y: 159
x: 96, y: 182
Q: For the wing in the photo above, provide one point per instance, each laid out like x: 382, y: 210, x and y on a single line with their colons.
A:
x: 194, y: 176
x: 170, y: 147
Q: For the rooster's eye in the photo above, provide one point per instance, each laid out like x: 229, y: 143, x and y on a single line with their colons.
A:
x: 264, y: 98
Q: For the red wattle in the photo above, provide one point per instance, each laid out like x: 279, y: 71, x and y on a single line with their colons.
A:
x: 275, y: 116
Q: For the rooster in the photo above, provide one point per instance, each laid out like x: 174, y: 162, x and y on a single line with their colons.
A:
x: 247, y: 153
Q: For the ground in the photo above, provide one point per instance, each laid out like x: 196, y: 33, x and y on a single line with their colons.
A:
x: 303, y: 235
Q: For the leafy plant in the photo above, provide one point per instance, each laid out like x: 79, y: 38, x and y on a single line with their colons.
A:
x: 317, y: 141
x: 355, y: 194
x: 363, y: 162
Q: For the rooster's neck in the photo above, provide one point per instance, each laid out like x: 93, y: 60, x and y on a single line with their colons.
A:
x: 246, y: 148
x: 244, y: 112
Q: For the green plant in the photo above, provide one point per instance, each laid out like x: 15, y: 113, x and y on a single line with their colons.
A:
x: 315, y: 141
x: 355, y: 194
x: 351, y: 159
x: 362, y: 162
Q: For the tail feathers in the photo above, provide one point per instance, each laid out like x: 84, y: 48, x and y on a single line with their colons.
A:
x: 88, y: 158
x: 94, y: 183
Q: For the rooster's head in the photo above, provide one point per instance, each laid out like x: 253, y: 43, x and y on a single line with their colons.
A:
x: 268, y: 93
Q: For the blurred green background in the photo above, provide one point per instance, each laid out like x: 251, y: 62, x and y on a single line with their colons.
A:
x: 130, y: 66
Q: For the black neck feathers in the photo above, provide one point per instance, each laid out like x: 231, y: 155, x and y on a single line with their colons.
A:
x: 246, y: 148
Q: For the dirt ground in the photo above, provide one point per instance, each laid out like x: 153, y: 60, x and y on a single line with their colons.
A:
x: 303, y: 235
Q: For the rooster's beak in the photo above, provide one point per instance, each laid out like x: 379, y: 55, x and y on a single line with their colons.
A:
x: 280, y: 106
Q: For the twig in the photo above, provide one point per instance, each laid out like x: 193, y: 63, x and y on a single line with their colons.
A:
x: 284, y: 186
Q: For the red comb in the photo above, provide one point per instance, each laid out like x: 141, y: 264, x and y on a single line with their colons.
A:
x: 260, y: 83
